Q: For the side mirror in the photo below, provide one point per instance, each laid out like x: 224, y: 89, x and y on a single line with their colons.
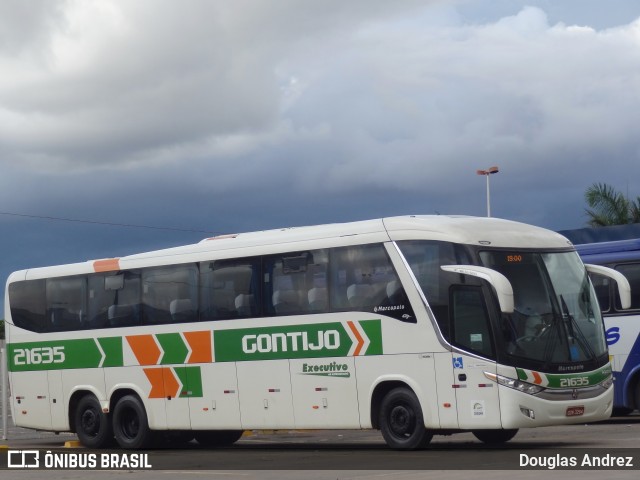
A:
x: 498, y: 281
x: 624, y: 289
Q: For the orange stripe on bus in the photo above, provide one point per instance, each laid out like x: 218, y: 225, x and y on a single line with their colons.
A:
x: 107, y: 265
x: 155, y: 377
x: 145, y: 349
x: 200, y: 343
x: 358, y: 337
x: 171, y: 384
x: 163, y: 382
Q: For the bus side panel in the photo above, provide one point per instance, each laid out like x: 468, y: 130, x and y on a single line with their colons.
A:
x: 324, y: 392
x: 30, y: 395
x: 416, y: 370
x: 58, y: 402
x: 476, y: 396
x: 447, y: 405
x: 265, y: 394
x: 623, y: 339
x: 152, y: 395
x: 218, y: 408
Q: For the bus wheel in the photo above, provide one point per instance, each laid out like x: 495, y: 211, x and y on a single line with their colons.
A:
x: 217, y: 438
x: 130, y: 425
x: 495, y: 436
x: 401, y: 420
x: 92, y: 425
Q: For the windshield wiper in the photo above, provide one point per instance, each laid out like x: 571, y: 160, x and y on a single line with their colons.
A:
x: 572, y: 326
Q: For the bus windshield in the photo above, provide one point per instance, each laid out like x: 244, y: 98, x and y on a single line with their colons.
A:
x: 556, y: 320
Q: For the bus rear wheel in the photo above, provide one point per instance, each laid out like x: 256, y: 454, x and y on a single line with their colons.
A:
x: 130, y: 424
x: 495, y: 437
x: 92, y: 425
x: 217, y: 438
x: 402, y: 422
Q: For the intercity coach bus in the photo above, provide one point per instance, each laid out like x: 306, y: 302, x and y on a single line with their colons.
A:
x: 622, y: 325
x: 415, y: 326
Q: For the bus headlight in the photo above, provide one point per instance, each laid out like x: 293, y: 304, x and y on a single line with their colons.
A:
x: 607, y: 383
x: 519, y: 385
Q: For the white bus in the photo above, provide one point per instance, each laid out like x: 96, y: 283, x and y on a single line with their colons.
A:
x: 415, y: 326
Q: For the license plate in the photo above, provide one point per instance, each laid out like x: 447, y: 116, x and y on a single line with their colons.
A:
x: 575, y: 411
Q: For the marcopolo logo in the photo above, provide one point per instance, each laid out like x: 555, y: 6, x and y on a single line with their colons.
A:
x: 336, y: 339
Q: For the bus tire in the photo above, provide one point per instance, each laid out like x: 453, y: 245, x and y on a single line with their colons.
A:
x: 92, y: 425
x: 495, y: 437
x: 130, y: 424
x: 217, y: 438
x: 402, y: 422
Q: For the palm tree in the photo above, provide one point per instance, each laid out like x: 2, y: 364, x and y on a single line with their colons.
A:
x: 610, y: 207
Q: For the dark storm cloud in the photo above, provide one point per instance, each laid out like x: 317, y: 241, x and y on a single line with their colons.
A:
x: 235, y: 116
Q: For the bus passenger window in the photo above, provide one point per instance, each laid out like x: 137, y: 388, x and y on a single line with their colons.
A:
x: 602, y: 287
x: 229, y: 289
x: 169, y: 294
x: 363, y: 279
x: 114, y: 299
x: 295, y: 283
x: 66, y: 303
x: 28, y: 305
x: 632, y: 272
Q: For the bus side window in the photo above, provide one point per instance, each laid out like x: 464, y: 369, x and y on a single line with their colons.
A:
x: 66, y: 303
x: 363, y: 279
x: 632, y: 272
x: 470, y: 320
x: 296, y: 283
x: 229, y: 289
x: 114, y: 299
x: 602, y: 287
x: 169, y: 294
x: 29, y: 305
x: 425, y: 257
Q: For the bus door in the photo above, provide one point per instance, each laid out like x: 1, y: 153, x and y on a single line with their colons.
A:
x: 476, y: 396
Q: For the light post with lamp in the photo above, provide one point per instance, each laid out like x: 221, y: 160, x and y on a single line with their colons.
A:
x: 486, y: 173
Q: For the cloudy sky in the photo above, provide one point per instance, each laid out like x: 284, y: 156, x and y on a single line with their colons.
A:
x: 220, y: 116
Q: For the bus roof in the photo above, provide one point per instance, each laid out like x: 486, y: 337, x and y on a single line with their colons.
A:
x: 608, y: 252
x: 457, y: 229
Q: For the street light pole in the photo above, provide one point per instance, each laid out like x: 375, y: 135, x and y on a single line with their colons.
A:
x: 486, y: 173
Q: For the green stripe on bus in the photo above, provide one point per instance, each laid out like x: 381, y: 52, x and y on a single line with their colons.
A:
x: 294, y: 341
x: 175, y: 351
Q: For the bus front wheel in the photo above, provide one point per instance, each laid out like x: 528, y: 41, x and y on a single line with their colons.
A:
x: 402, y: 422
x: 130, y: 424
x: 92, y: 425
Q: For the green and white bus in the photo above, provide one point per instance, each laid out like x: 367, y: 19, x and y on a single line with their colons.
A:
x: 415, y: 325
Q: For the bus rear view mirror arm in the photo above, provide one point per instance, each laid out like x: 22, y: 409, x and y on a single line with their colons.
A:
x: 624, y: 289
x: 498, y: 281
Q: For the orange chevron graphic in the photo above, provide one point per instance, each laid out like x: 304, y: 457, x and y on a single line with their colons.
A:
x: 145, y: 349
x: 200, y: 344
x: 154, y: 375
x: 163, y: 382
x: 355, y: 332
x: 537, y: 379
